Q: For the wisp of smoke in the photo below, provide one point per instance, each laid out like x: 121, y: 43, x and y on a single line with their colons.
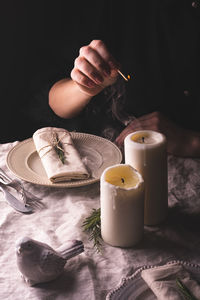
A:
x: 116, y: 94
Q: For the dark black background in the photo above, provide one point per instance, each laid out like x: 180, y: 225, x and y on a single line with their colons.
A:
x: 39, y: 42
x: 41, y: 39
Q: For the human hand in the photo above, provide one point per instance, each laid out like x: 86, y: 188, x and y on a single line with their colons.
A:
x: 94, y: 68
x: 179, y: 140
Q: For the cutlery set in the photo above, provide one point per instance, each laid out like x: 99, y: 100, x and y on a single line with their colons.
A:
x: 21, y: 204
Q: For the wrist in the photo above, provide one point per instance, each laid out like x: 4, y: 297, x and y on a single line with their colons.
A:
x: 195, y: 144
x: 90, y: 92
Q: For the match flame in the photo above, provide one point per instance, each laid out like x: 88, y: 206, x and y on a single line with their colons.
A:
x: 123, y: 76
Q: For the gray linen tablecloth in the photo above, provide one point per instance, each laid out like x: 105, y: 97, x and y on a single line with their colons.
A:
x: 90, y: 275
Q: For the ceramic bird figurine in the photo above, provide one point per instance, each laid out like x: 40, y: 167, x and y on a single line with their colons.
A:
x: 38, y: 262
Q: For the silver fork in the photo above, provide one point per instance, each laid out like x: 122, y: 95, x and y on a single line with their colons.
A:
x: 15, y: 184
x: 28, y: 198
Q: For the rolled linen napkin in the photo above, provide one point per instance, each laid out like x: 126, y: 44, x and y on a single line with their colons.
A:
x: 162, y: 281
x: 58, y: 154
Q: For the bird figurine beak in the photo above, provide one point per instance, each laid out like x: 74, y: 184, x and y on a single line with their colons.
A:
x: 19, y: 250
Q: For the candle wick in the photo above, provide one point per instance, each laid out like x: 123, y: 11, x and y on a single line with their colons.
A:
x: 122, y: 179
x: 143, y: 139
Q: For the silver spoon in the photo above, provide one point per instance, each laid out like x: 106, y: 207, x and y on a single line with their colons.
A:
x: 28, y: 198
x: 15, y: 184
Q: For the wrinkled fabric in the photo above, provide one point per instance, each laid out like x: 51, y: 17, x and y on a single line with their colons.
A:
x: 48, y: 138
x: 162, y: 281
x: 93, y: 275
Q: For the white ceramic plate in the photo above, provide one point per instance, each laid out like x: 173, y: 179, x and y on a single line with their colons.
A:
x: 135, y: 288
x: 96, y: 152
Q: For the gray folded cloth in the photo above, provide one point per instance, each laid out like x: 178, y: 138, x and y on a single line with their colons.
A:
x: 60, y: 158
x: 162, y: 281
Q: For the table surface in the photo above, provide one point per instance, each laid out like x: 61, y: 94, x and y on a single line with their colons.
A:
x: 93, y: 275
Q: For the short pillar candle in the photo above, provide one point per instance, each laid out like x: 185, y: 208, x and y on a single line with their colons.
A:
x: 146, y: 151
x: 122, y: 205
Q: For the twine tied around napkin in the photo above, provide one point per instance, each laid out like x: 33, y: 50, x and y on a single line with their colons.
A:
x: 55, y: 144
x: 52, y: 143
x: 162, y: 280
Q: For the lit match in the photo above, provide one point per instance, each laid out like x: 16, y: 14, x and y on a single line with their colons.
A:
x: 123, y: 76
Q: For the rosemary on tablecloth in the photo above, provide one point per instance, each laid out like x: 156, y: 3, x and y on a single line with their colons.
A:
x: 92, y: 225
x: 184, y: 290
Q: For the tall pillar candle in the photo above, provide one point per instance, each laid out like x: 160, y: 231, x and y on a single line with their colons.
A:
x: 145, y: 151
x: 122, y: 205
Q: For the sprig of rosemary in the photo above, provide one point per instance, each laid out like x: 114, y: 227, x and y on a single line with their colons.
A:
x: 59, y: 149
x: 184, y: 290
x: 92, y: 225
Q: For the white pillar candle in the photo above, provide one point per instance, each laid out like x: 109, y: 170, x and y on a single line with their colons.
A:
x: 145, y: 151
x: 122, y: 205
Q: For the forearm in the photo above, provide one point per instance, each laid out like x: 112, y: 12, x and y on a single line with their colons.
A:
x: 94, y: 69
x: 180, y: 142
x: 66, y: 99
